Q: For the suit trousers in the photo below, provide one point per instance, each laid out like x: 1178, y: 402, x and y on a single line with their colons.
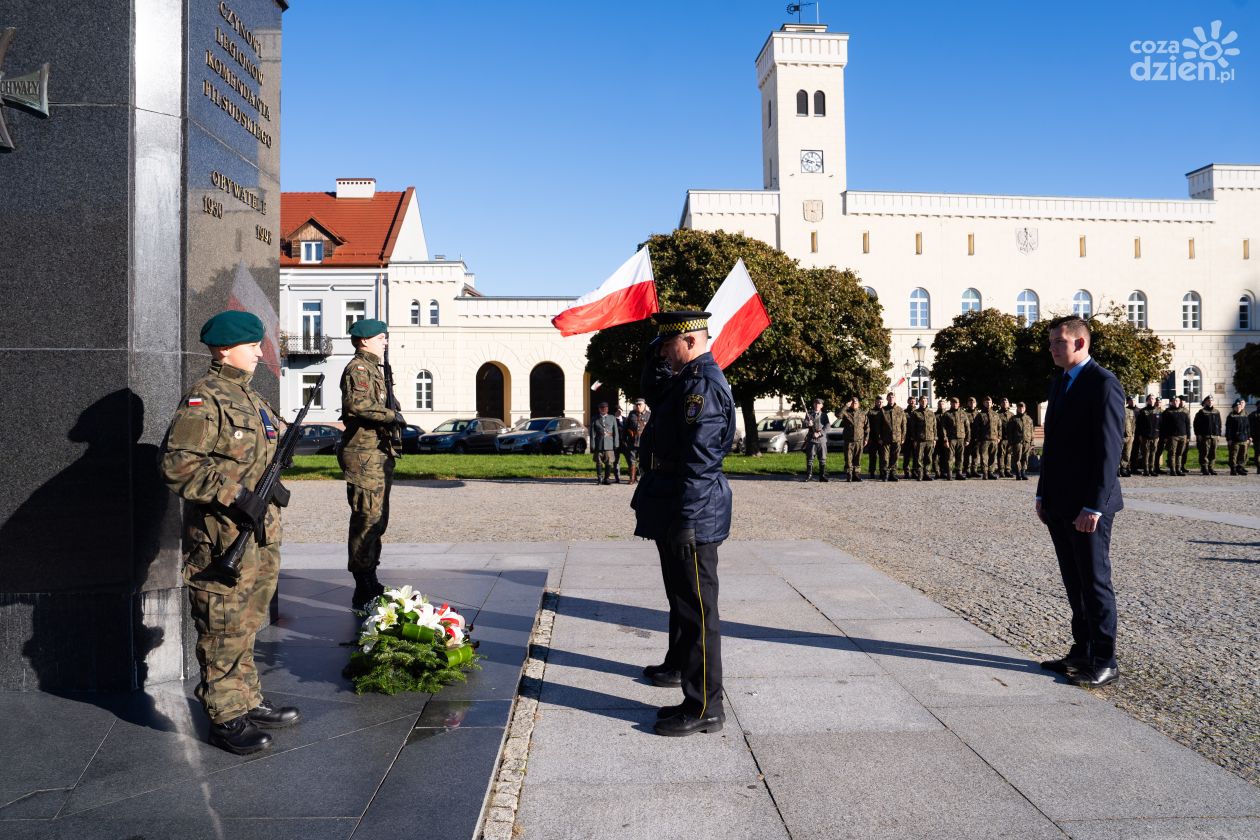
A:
x: 1085, y: 564
x: 695, y: 639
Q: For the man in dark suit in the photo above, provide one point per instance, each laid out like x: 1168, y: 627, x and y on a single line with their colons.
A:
x: 1078, y: 496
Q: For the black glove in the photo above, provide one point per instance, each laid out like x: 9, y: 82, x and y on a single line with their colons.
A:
x: 281, y: 495
x: 682, y: 538
x: 249, y: 507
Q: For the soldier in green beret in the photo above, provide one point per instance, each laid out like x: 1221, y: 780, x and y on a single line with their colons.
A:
x: 369, y: 446
x: 223, y: 436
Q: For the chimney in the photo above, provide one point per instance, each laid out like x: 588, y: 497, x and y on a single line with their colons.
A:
x: 356, y: 187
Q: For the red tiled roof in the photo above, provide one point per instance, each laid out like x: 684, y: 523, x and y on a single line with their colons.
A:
x: 368, y: 227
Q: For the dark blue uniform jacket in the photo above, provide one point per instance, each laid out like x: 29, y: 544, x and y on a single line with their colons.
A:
x: 691, y: 429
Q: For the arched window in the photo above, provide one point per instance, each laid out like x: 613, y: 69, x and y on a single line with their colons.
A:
x: 1027, y: 306
x: 1190, y: 311
x: 920, y: 383
x: 1136, y: 309
x: 546, y: 390
x: 415, y: 313
x: 802, y: 103
x: 919, y: 308
x: 820, y: 104
x: 433, y: 313
x: 970, y: 301
x: 1192, y: 384
x: 870, y: 292
x: 1246, y: 312
x: 1082, y: 303
x: 424, y: 391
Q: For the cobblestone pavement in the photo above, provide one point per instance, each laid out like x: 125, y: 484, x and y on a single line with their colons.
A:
x: 1187, y: 587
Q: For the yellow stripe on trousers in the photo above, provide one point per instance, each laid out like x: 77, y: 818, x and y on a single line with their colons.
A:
x: 704, y: 663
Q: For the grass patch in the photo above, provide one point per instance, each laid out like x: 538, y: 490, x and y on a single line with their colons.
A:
x: 432, y: 467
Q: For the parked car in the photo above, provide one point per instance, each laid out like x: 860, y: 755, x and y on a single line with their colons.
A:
x: 467, y: 434
x: 317, y: 439
x: 411, y: 439
x: 781, y: 434
x: 835, y: 436
x: 549, y: 435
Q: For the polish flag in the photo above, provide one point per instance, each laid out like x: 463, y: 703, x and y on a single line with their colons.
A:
x: 628, y: 295
x: 737, y: 316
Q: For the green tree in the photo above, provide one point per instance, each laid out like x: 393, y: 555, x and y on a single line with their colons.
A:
x: 1247, y: 370
x: 1136, y: 355
x: 975, y: 355
x: 826, y: 335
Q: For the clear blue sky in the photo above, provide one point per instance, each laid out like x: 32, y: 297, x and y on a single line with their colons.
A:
x: 546, y: 140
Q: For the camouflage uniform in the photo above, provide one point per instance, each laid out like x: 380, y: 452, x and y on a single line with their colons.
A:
x: 854, y: 441
x: 873, y: 417
x: 1019, y: 434
x: 1004, y: 459
x: 221, y: 439
x: 1207, y: 429
x: 921, y: 436
x: 986, y: 431
x: 366, y: 457
x: 1126, y: 443
x: 956, y: 428
x: 1237, y: 431
x: 970, y: 448
x: 1146, y: 436
x: 892, y: 434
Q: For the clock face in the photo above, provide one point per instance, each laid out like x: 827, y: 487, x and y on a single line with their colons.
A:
x: 811, y: 161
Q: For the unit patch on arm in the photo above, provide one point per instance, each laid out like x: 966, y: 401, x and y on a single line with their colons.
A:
x: 692, y: 405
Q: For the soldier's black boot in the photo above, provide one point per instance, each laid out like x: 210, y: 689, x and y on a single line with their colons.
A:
x: 809, y: 472
x: 857, y: 477
x: 822, y: 472
x: 366, y: 588
x: 239, y: 736
x: 274, y: 717
x: 617, y: 473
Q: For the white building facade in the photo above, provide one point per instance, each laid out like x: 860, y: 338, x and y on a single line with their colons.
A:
x: 1183, y: 267
x: 358, y: 253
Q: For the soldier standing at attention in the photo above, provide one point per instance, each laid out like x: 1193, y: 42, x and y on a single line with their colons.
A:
x: 1185, y: 450
x: 873, y: 418
x: 1237, y: 431
x: 908, y: 452
x: 1146, y: 434
x: 854, y: 438
x: 940, y: 459
x: 1207, y: 428
x: 604, y: 442
x: 1130, y: 428
x: 987, y: 430
x: 636, y: 422
x: 684, y: 503
x: 1004, y: 448
x: 369, y: 446
x: 892, y: 434
x: 218, y: 445
x: 1174, y: 429
x: 1019, y: 430
x: 923, y: 458
x: 970, y: 467
x: 816, y: 423
x: 957, y: 429
x: 1253, y: 421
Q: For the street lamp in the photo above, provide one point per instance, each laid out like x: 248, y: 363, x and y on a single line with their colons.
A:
x: 906, y: 367
x: 919, y: 349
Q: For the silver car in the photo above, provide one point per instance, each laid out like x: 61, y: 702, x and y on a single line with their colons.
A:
x: 781, y: 434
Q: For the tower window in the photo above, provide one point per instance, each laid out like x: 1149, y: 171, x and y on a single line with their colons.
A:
x: 769, y: 113
x: 802, y: 104
x: 820, y: 104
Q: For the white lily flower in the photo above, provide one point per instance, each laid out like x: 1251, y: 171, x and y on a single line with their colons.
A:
x: 386, y: 616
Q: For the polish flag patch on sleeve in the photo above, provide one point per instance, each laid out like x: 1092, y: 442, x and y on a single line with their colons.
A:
x: 195, y: 401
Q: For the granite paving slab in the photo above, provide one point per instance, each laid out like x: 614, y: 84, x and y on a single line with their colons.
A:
x: 823, y: 704
x: 1157, y: 829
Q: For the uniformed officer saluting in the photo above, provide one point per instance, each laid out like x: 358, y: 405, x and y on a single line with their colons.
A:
x: 219, y: 443
x: 684, y: 503
x: 366, y: 456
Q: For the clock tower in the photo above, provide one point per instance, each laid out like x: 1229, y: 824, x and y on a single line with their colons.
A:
x: 800, y: 72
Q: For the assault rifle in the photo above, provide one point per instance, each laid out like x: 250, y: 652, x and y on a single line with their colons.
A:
x: 393, y: 430
x: 228, y: 566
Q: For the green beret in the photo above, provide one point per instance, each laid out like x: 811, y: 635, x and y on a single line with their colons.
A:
x: 368, y: 328
x: 231, y: 328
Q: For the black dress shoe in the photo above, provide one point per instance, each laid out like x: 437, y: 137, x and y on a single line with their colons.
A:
x: 1066, y: 665
x: 663, y: 676
x: 273, y: 717
x: 239, y: 736
x: 1096, y: 676
x: 668, y: 711
x: 683, y: 724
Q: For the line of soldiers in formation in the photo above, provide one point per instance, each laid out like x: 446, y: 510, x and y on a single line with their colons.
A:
x: 988, y: 442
